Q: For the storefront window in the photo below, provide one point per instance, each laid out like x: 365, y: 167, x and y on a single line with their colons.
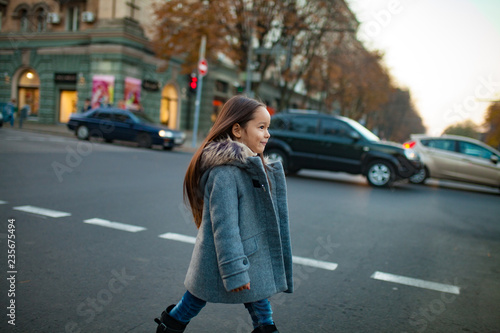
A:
x: 29, y: 92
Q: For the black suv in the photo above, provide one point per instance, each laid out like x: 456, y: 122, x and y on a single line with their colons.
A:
x: 324, y: 142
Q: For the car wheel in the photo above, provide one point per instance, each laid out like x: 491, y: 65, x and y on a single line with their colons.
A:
x: 275, y: 155
x: 420, y: 177
x: 380, y: 173
x: 82, y: 132
x: 144, y: 140
x: 108, y: 140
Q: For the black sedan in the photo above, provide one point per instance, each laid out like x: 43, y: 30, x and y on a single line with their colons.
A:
x: 117, y: 124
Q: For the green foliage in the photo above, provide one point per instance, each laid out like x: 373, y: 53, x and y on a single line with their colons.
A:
x: 466, y: 128
x: 492, y: 121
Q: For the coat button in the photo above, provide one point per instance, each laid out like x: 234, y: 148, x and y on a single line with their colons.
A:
x: 245, y: 262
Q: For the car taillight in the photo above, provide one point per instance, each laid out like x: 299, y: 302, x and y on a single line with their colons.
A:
x: 409, y: 144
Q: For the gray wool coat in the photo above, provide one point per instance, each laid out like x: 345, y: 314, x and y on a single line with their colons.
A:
x: 244, y: 235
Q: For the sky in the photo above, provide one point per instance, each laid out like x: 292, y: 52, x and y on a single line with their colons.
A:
x: 446, y: 52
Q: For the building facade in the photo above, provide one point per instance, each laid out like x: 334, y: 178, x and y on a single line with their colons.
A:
x: 56, y: 54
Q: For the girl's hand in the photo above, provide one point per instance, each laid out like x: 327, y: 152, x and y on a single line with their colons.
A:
x: 246, y: 286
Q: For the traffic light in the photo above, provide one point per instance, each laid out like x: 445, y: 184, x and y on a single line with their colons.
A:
x: 193, y: 83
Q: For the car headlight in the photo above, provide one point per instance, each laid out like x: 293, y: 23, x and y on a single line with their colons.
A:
x: 411, y: 154
x: 165, y: 134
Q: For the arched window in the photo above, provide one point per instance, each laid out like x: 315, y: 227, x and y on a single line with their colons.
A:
x: 22, y: 13
x: 41, y: 19
x: 24, y: 20
x: 3, y: 11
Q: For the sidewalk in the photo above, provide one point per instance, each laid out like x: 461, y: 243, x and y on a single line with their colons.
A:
x: 62, y: 130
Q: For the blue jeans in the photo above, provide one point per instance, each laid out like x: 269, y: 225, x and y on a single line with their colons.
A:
x: 189, y: 306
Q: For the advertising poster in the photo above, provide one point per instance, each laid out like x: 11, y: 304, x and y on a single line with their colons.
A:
x: 103, y: 87
x: 132, y: 94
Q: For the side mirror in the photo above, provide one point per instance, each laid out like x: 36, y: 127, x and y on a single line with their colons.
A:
x: 354, y: 135
x: 494, y: 159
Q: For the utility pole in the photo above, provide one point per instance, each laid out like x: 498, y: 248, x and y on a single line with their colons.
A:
x: 198, y: 91
x: 248, y: 86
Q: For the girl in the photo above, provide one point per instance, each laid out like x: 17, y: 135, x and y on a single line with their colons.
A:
x: 242, y: 252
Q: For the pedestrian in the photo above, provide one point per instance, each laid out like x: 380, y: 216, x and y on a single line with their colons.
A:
x: 86, y: 105
x: 23, y: 114
x: 10, y: 110
x: 242, y: 252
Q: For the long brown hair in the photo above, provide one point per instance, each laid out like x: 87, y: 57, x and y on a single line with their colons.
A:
x: 237, y: 110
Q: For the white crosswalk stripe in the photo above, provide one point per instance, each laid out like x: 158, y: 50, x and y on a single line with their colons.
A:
x: 41, y: 211
x: 446, y: 288
x: 114, y: 225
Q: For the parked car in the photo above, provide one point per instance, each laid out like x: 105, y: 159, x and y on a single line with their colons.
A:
x: 456, y: 158
x: 2, y: 112
x: 117, y: 124
x: 324, y: 142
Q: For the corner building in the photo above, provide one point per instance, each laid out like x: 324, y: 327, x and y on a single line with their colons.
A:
x: 56, y: 54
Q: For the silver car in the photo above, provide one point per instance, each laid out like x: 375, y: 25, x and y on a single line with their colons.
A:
x: 455, y: 157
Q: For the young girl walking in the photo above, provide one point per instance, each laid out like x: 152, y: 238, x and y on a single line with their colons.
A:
x: 242, y: 252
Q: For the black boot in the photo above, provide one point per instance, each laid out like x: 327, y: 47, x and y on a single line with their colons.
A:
x: 266, y: 329
x: 167, y: 324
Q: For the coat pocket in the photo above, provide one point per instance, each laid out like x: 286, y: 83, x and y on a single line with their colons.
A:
x: 250, y: 246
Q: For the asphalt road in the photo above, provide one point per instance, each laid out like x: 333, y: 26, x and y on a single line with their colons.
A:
x: 406, y: 259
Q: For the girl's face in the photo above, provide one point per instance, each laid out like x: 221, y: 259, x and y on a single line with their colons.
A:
x: 255, y: 134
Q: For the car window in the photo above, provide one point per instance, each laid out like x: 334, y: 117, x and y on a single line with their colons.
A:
x: 141, y: 118
x: 472, y: 149
x: 122, y: 118
x: 440, y: 144
x: 103, y: 115
x: 304, y: 125
x: 334, y: 127
x: 278, y: 124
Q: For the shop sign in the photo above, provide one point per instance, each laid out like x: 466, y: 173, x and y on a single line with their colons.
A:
x: 65, y: 77
x: 150, y: 85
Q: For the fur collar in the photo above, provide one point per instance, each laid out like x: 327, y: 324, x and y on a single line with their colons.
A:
x: 223, y: 152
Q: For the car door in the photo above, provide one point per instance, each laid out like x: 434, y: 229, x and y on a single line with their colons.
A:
x: 102, y: 125
x: 442, y: 158
x: 124, y: 129
x: 303, y: 140
x: 476, y: 165
x: 337, y: 150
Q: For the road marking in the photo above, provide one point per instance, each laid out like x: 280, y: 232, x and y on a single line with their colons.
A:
x: 331, y: 266
x: 114, y: 225
x: 178, y: 237
x: 446, y: 288
x: 41, y: 211
x: 2, y: 202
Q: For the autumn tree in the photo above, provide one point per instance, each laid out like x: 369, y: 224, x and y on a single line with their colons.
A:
x: 356, y: 83
x: 465, y: 128
x: 492, y: 122
x: 301, y: 30
x: 396, y: 119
